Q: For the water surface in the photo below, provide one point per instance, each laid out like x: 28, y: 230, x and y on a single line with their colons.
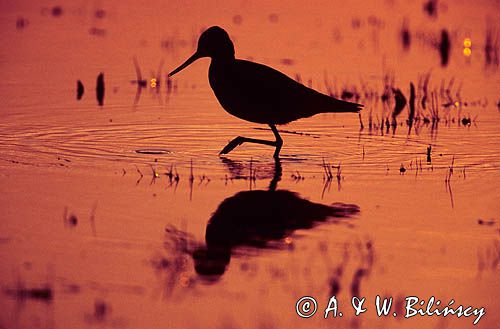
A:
x: 123, y: 238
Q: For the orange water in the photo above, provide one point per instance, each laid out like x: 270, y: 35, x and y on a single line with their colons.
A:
x: 62, y: 157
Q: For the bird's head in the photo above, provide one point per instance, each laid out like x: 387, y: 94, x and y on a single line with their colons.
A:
x: 214, y: 43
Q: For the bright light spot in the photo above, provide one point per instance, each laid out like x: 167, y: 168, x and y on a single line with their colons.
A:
x: 467, y: 52
x: 467, y: 43
x: 288, y: 240
x: 153, y: 83
x: 456, y: 104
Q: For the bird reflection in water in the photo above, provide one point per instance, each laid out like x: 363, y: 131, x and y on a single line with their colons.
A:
x: 256, y: 219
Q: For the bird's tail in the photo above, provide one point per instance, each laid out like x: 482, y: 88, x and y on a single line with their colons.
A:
x: 338, y: 105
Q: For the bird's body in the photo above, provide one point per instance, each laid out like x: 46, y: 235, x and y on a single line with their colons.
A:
x: 256, y: 92
x: 260, y: 94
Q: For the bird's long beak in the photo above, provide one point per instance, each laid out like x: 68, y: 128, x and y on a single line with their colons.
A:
x: 191, y: 59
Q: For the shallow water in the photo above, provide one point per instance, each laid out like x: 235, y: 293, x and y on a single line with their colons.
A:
x: 115, y: 210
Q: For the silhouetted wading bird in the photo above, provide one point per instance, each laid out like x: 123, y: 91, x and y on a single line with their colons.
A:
x: 258, y: 93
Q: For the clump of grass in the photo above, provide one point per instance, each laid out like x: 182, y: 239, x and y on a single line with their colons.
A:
x: 297, y: 177
x: 100, y: 89
x: 204, y: 178
x: 191, y: 171
x: 141, y: 175
x: 173, y: 175
x: 402, y: 169
x: 339, y: 177
x: 489, y: 222
x: 328, y: 176
x: 365, y: 268
x: 411, y: 113
x: 444, y: 47
x: 154, y: 175
x: 252, y: 175
x: 191, y: 180
x: 400, y: 103
x: 434, y: 108
x: 449, y: 173
x: 44, y: 293
x: 70, y: 220
x: 430, y: 7
x: 491, y: 46
x: 428, y: 104
x: 405, y: 35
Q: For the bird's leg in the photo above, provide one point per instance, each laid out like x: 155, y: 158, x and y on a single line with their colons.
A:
x: 278, y: 143
x: 240, y: 140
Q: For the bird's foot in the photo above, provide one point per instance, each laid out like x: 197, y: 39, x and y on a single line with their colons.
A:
x: 232, y: 145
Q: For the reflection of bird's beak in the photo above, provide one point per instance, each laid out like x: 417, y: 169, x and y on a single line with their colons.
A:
x: 191, y: 59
